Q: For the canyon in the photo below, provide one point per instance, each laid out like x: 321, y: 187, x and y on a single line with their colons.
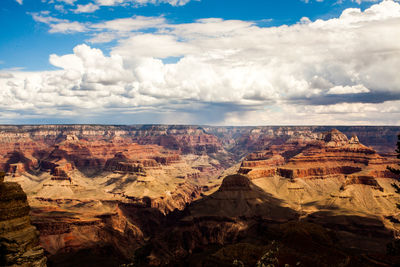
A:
x: 204, y: 196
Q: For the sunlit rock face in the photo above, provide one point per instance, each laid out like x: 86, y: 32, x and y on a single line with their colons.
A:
x: 19, y: 242
x: 331, y: 154
x: 331, y: 172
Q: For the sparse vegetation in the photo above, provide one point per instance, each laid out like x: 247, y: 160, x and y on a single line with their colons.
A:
x: 396, y: 170
x: 393, y: 248
x: 270, y: 258
x: 238, y: 263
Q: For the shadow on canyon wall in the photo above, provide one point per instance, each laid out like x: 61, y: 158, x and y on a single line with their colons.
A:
x: 242, y: 224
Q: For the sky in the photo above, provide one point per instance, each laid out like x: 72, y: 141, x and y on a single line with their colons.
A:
x: 213, y: 62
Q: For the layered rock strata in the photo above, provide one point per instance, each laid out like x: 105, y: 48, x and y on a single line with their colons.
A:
x: 19, y: 242
x: 94, y: 187
x: 330, y: 155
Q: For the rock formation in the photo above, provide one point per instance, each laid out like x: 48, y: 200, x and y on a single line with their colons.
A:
x: 19, y: 242
x: 111, y: 190
x: 236, y: 197
x: 330, y: 171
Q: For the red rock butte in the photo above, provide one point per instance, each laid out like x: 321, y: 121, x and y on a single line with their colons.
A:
x: 235, y: 182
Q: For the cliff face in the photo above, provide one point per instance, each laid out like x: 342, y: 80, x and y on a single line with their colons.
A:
x: 19, y: 242
x: 332, y: 154
x: 331, y: 171
x: 244, y: 140
x: 188, y: 139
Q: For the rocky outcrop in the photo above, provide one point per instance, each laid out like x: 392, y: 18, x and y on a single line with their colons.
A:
x: 317, y: 172
x: 238, y: 196
x: 261, y: 164
x: 363, y: 180
x: 124, y: 162
x: 63, y: 233
x: 263, y: 159
x: 334, y: 138
x: 332, y: 154
x: 235, y: 182
x: 19, y: 243
x: 16, y: 169
x: 121, y: 163
x: 167, y: 159
x: 187, y: 139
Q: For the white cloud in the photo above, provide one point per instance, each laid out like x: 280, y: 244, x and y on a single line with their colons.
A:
x: 355, y: 89
x: 305, y: 20
x: 360, y: 1
x: 123, y: 28
x: 141, y: 2
x: 5, y: 75
x: 67, y: 27
x: 337, y: 114
x: 88, y: 8
x: 45, y: 19
x: 150, y: 45
x: 94, y: 5
x: 103, y: 32
x: 94, y: 68
x: 338, y: 71
x: 69, y: 2
x: 109, y: 2
x: 19, y: 2
x: 130, y: 24
x: 60, y: 8
x: 59, y: 25
x: 356, y: 1
x: 103, y: 37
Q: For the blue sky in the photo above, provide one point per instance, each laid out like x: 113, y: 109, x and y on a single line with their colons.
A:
x: 200, y: 62
x: 27, y: 44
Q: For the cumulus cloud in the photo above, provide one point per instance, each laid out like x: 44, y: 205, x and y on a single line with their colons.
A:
x: 338, y: 71
x: 19, y: 1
